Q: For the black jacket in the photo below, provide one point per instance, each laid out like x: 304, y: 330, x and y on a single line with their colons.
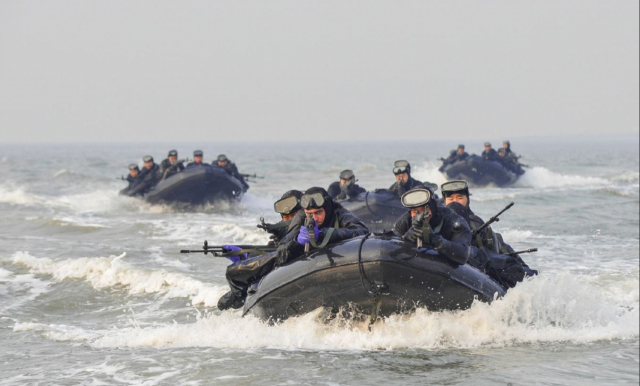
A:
x: 165, y: 164
x: 401, y: 189
x: 232, y: 170
x: 349, y: 226
x: 490, y: 155
x: 148, y: 178
x: 342, y: 193
x: 452, y: 234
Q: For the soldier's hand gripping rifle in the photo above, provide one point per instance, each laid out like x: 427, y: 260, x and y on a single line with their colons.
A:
x: 309, y: 223
x: 491, y: 220
x: 172, y: 167
x: 221, y: 251
x: 422, y: 220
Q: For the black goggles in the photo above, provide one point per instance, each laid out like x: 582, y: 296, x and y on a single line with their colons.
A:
x: 286, y: 205
x: 133, y: 167
x: 313, y: 201
x: 173, y: 153
x: 416, y: 198
x: 147, y: 158
x: 451, y: 187
x: 401, y: 166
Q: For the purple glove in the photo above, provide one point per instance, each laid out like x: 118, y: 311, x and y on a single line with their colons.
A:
x: 304, y: 237
x: 233, y: 248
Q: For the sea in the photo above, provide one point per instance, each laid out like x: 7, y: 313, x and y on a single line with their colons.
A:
x: 94, y: 291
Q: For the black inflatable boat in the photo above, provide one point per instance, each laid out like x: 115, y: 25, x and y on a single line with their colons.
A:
x: 479, y: 171
x: 378, y: 210
x: 196, y: 185
x: 367, y: 272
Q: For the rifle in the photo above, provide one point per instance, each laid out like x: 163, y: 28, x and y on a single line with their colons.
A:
x: 173, y: 166
x: 525, y: 251
x: 219, y: 251
x: 308, y: 222
x: 121, y: 178
x: 424, y: 218
x: 491, y: 220
x: 251, y: 175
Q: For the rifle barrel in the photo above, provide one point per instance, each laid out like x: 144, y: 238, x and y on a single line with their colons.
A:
x: 530, y: 250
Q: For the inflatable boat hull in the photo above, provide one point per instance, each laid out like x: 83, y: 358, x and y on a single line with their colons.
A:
x: 196, y: 185
x: 336, y: 278
x: 480, y: 172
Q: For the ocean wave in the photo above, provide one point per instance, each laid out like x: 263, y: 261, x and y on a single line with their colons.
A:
x: 105, y: 272
x: 12, y: 194
x: 628, y: 176
x: 545, y: 309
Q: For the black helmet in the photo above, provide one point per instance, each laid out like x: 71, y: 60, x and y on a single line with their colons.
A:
x: 197, y: 153
x: 506, y: 143
x: 501, y: 151
x: 172, y: 153
x: 134, y: 167
x: 222, y: 158
x: 461, y: 146
x: 147, y: 158
x: 401, y: 166
x: 349, y: 176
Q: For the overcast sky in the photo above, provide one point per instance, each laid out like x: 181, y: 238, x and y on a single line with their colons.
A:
x: 302, y: 70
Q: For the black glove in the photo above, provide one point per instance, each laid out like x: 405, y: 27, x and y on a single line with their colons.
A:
x: 412, y: 234
x: 435, y: 240
x: 282, y: 255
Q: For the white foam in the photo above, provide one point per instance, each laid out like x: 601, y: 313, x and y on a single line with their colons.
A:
x: 540, y: 177
x: 628, y: 176
x: 104, y: 272
x: 12, y: 194
x: 428, y: 172
x: 560, y: 308
x: 21, y: 289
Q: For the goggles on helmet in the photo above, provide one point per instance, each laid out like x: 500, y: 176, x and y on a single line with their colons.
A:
x: 147, y: 158
x: 133, y: 167
x: 451, y: 187
x: 416, y: 198
x: 401, y: 166
x: 286, y: 205
x: 313, y: 201
x: 173, y: 153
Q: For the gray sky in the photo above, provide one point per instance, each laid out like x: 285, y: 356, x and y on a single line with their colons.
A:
x: 300, y: 70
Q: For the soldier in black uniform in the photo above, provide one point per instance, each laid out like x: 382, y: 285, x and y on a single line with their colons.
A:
x: 332, y: 223
x: 462, y: 155
x: 148, y: 177
x: 489, y: 153
x: 404, y: 181
x: 197, y: 159
x: 132, y: 179
x: 346, y: 188
x: 437, y: 227
x: 223, y: 162
x: 457, y: 197
x: 287, y: 206
x: 170, y: 165
x: 453, y: 157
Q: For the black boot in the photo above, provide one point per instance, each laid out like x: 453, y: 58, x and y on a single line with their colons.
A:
x: 229, y: 300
